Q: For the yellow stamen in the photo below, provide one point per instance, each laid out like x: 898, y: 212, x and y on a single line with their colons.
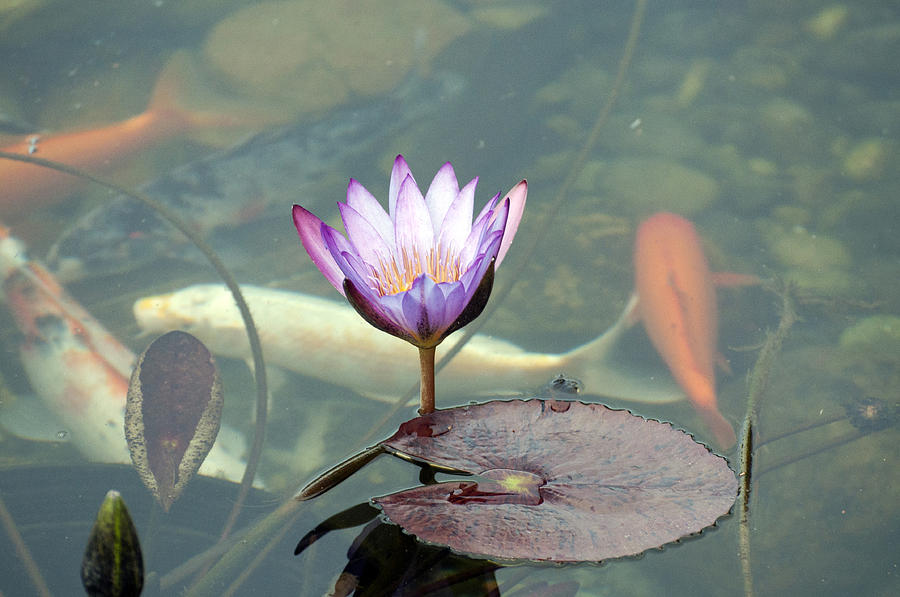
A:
x: 392, y: 277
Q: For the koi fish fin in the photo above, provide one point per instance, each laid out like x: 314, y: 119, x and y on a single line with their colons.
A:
x: 594, y: 364
x: 733, y: 280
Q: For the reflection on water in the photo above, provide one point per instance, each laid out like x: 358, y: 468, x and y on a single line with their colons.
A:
x: 772, y: 126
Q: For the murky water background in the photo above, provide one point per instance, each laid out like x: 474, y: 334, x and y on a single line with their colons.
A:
x: 772, y: 125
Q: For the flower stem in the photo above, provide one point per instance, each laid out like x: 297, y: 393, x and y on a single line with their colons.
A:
x: 426, y: 367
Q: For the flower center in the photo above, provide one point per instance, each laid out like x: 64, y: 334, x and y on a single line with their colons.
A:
x: 392, y: 277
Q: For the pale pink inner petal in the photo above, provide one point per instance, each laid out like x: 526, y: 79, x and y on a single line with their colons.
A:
x: 441, y: 193
x: 398, y: 174
x: 367, y: 241
x: 457, y: 222
x: 414, y: 236
x: 360, y: 199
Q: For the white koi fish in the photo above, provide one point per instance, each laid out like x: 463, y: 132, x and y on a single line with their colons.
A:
x: 328, y: 340
x: 74, y: 365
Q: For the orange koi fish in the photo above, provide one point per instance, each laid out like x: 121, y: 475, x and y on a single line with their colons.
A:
x: 677, y: 303
x: 23, y: 186
x: 75, y: 366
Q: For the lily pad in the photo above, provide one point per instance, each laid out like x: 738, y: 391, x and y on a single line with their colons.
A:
x: 172, y: 413
x: 556, y: 481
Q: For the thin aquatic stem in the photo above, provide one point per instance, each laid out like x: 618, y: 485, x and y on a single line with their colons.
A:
x: 758, y: 385
x: 426, y: 372
x: 22, y: 551
x: 242, y: 553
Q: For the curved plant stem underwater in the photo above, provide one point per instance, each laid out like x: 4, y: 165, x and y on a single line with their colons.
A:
x: 259, y: 372
x: 759, y: 383
x: 22, y: 551
x: 556, y: 204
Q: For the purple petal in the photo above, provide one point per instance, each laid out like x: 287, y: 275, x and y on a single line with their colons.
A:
x: 309, y: 227
x: 457, y: 222
x: 424, y: 311
x: 359, y: 272
x: 516, y: 198
x: 374, y: 313
x: 472, y: 276
x: 490, y: 205
x: 441, y: 193
x: 366, y: 240
x: 413, y: 223
x: 398, y: 174
x: 455, y: 300
x: 392, y: 307
x: 472, y: 244
x: 497, y: 221
x: 369, y: 208
x: 344, y: 255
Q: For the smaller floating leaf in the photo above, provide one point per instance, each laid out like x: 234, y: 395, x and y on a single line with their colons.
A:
x: 338, y: 473
x: 113, y: 565
x: 172, y: 413
x: 556, y: 481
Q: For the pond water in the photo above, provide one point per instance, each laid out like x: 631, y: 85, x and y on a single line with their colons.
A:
x: 772, y: 126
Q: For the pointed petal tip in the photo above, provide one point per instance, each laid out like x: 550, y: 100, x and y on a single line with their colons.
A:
x: 516, y: 197
x: 400, y: 163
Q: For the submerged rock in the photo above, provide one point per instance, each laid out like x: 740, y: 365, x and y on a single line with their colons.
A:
x: 640, y: 186
x: 814, y: 261
x: 317, y: 54
x: 878, y: 335
x: 799, y: 248
x: 867, y: 159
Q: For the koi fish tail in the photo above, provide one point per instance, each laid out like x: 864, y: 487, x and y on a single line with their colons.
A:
x: 595, y: 365
x: 723, y: 432
x: 701, y: 392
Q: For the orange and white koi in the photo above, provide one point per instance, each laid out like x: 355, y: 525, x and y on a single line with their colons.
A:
x: 74, y: 364
x: 327, y: 340
x: 677, y: 303
x: 24, y: 186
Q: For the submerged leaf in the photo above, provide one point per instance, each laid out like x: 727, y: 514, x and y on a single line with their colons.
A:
x: 173, y: 412
x: 113, y: 565
x: 556, y: 481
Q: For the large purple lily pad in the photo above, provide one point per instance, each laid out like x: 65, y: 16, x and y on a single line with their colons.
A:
x: 556, y: 481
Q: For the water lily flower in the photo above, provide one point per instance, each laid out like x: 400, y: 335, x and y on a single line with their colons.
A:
x: 423, y: 268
